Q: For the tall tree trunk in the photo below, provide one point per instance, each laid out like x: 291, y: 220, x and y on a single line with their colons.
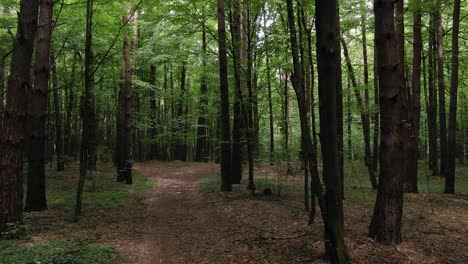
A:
x: 202, y: 151
x: 58, y: 118
x: 452, y: 132
x: 124, y: 169
x: 375, y: 144
x: 239, y: 126
x: 362, y: 105
x: 225, y: 138
x: 2, y: 90
x: 386, y: 221
x: 332, y: 212
x: 87, y: 109
x: 36, y: 199
x: 13, y: 131
x: 441, y: 90
x: 415, y: 104
x: 432, y: 110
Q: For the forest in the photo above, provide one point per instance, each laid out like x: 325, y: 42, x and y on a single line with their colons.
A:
x: 233, y: 131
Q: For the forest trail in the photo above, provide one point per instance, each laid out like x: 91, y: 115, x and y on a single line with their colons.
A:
x: 180, y: 225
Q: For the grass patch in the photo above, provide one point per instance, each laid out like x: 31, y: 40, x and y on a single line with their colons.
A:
x: 74, y: 243
x: 104, y: 192
x: 58, y: 252
x: 209, y: 185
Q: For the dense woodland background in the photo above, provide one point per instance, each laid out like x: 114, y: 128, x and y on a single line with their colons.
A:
x: 318, y: 88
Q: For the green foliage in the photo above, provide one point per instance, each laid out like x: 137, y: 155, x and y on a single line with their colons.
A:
x: 58, y: 252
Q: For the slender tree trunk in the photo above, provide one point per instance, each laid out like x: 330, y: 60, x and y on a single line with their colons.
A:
x: 225, y: 138
x: 330, y: 206
x: 2, y: 90
x: 13, y: 131
x: 441, y: 90
x: 36, y: 199
x: 286, y: 124
x: 432, y: 110
x: 415, y: 104
x: 386, y: 221
x: 58, y: 118
x: 375, y: 144
x: 239, y: 126
x: 452, y: 132
x: 86, y: 108
x: 126, y: 112
x: 180, y: 151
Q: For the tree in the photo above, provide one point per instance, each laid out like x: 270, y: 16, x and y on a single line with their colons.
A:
x: 415, y: 104
x: 58, y: 118
x: 13, y: 131
x: 224, y: 92
x: 452, y: 131
x: 37, y: 112
x: 330, y: 203
x: 441, y: 90
x: 386, y: 221
x: 86, y: 109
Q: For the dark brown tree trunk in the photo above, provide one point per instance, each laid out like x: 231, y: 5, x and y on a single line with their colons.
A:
x: 2, y: 90
x: 225, y: 139
x: 202, y: 151
x: 411, y: 182
x: 441, y: 90
x: 58, y: 118
x: 124, y: 168
x: 327, y: 21
x: 432, y: 110
x: 270, y: 107
x: 285, y: 126
x: 239, y: 126
x: 365, y: 120
x: 13, y: 132
x: 400, y: 38
x: 386, y: 221
x: 375, y: 144
x: 452, y: 132
x: 36, y: 199
x: 87, y: 109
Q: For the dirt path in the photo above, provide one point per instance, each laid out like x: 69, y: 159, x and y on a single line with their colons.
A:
x: 179, y: 225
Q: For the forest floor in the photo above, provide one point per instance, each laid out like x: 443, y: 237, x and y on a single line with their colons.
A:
x: 174, y: 213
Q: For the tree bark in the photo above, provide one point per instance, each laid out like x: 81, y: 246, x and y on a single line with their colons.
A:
x: 441, y: 90
x: 452, y: 132
x: 124, y: 168
x: 331, y: 206
x: 13, y: 132
x: 225, y: 139
x: 386, y: 221
x: 87, y: 109
x: 432, y: 110
x: 36, y: 199
x: 239, y: 124
x: 411, y: 182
